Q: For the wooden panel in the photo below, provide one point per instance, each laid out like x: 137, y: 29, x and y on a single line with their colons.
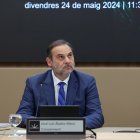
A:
x: 119, y: 89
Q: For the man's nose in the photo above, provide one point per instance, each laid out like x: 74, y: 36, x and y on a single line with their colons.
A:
x: 67, y: 60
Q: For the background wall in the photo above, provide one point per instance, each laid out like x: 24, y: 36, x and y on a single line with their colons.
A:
x: 119, y: 89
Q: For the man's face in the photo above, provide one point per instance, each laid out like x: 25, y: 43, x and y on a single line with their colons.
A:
x: 62, y: 61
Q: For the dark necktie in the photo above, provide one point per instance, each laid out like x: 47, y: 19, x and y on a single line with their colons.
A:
x: 61, y: 94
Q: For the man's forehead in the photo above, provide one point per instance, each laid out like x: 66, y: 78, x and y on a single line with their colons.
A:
x: 62, y: 49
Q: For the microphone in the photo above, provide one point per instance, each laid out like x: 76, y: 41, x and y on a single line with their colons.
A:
x: 94, y: 135
x: 37, y: 109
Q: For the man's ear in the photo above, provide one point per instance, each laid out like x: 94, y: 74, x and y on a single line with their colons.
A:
x: 49, y: 61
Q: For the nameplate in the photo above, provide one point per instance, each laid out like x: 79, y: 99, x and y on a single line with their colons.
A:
x: 56, y: 125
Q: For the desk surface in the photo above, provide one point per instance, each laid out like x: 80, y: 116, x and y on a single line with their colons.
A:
x: 104, y: 133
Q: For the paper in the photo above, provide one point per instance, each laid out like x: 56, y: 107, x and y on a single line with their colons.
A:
x: 4, y: 126
x: 23, y: 132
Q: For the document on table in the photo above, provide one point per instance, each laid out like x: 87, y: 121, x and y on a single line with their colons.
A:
x: 5, y: 126
x: 21, y: 132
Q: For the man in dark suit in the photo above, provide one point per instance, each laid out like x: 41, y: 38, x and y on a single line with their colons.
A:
x: 80, y: 88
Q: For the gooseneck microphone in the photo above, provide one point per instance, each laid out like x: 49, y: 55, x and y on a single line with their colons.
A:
x: 38, y: 103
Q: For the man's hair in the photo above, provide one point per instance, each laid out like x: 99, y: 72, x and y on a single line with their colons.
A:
x: 55, y: 44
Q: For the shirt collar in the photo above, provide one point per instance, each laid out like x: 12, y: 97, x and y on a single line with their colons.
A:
x: 56, y: 80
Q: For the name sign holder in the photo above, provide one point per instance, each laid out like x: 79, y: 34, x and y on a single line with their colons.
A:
x: 56, y: 125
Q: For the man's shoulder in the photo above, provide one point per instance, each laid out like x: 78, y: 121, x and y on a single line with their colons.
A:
x: 40, y: 76
x: 81, y: 74
x: 82, y: 78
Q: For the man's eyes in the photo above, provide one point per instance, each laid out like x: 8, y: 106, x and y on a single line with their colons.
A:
x: 61, y: 57
x: 70, y: 55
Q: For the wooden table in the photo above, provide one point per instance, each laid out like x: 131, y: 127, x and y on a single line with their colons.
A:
x: 104, y: 133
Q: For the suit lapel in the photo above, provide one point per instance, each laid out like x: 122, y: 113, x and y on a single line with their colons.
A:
x: 49, y: 93
x: 48, y: 89
x: 72, y: 89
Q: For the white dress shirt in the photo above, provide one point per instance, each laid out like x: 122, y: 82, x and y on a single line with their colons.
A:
x: 56, y: 86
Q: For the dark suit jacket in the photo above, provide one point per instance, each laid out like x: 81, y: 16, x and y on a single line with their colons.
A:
x: 81, y: 91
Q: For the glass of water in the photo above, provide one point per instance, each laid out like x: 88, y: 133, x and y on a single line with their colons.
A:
x: 15, y: 120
